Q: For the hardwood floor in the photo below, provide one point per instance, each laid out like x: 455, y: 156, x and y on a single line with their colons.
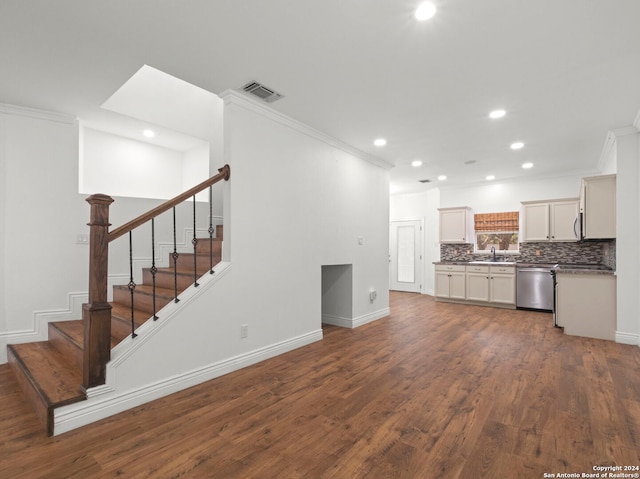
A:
x: 434, y: 391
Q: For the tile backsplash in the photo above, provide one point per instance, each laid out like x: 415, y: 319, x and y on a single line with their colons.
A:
x: 587, y: 252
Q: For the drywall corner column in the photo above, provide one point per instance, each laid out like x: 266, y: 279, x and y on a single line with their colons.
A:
x: 431, y: 240
x: 3, y: 189
x: 628, y: 234
x: 225, y: 150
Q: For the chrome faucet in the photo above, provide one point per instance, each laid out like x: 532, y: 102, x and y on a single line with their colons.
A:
x: 493, y: 252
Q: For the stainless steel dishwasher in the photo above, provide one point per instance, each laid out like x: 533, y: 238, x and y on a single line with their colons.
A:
x: 534, y: 288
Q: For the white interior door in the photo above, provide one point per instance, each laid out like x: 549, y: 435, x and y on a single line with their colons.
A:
x: 405, y: 257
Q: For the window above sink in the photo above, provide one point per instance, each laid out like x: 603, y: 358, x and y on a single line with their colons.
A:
x: 497, y: 231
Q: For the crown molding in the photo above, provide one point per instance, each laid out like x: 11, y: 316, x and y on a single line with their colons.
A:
x: 36, y: 113
x: 625, y: 130
x: 233, y: 97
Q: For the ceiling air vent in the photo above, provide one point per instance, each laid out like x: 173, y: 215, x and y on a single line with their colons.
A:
x: 262, y: 92
x: 424, y: 181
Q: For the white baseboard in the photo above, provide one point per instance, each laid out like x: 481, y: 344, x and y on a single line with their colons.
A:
x: 41, y: 319
x: 627, y: 338
x: 355, y: 322
x: 337, y: 321
x: 108, y: 403
x: 367, y: 318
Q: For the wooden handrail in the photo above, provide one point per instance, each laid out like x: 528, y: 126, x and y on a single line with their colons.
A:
x: 223, y: 174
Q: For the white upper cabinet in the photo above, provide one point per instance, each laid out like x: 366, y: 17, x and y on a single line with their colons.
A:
x: 456, y: 225
x: 598, y: 207
x: 550, y: 220
x: 535, y: 222
x: 564, y: 220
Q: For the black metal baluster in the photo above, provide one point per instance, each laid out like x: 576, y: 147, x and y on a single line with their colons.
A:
x: 211, y: 229
x: 154, y: 270
x: 195, y: 244
x: 175, y: 259
x: 132, y: 285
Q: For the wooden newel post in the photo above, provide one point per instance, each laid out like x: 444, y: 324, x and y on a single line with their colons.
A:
x: 96, y: 314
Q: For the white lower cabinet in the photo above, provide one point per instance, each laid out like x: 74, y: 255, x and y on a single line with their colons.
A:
x: 503, y: 287
x: 480, y: 284
x: 450, y: 281
x: 477, y: 283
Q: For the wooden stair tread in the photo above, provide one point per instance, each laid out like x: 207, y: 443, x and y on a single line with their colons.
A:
x: 57, y: 381
x: 74, y: 331
x: 148, y: 289
x: 182, y: 271
x: 123, y: 313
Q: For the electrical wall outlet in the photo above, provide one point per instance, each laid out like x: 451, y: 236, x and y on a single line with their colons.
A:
x: 82, y: 239
x: 244, y: 331
x: 373, y: 295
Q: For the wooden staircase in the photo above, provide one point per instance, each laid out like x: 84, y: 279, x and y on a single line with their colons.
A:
x: 50, y: 372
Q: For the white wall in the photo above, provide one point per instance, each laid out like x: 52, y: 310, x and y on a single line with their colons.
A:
x: 42, y: 264
x: 127, y: 168
x: 496, y: 196
x: 195, y: 169
x: 119, y: 166
x: 313, y: 200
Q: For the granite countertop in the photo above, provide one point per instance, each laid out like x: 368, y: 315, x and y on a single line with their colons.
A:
x: 564, y: 269
x: 497, y: 263
x: 462, y: 263
x: 597, y: 269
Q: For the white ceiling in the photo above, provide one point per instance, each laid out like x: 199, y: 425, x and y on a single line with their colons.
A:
x: 566, y: 71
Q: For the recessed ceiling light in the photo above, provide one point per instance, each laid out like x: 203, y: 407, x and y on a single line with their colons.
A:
x: 442, y: 177
x: 148, y: 133
x: 491, y: 177
x: 526, y: 166
x: 517, y: 145
x: 416, y: 163
x: 380, y: 142
x: 497, y: 114
x: 425, y: 11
